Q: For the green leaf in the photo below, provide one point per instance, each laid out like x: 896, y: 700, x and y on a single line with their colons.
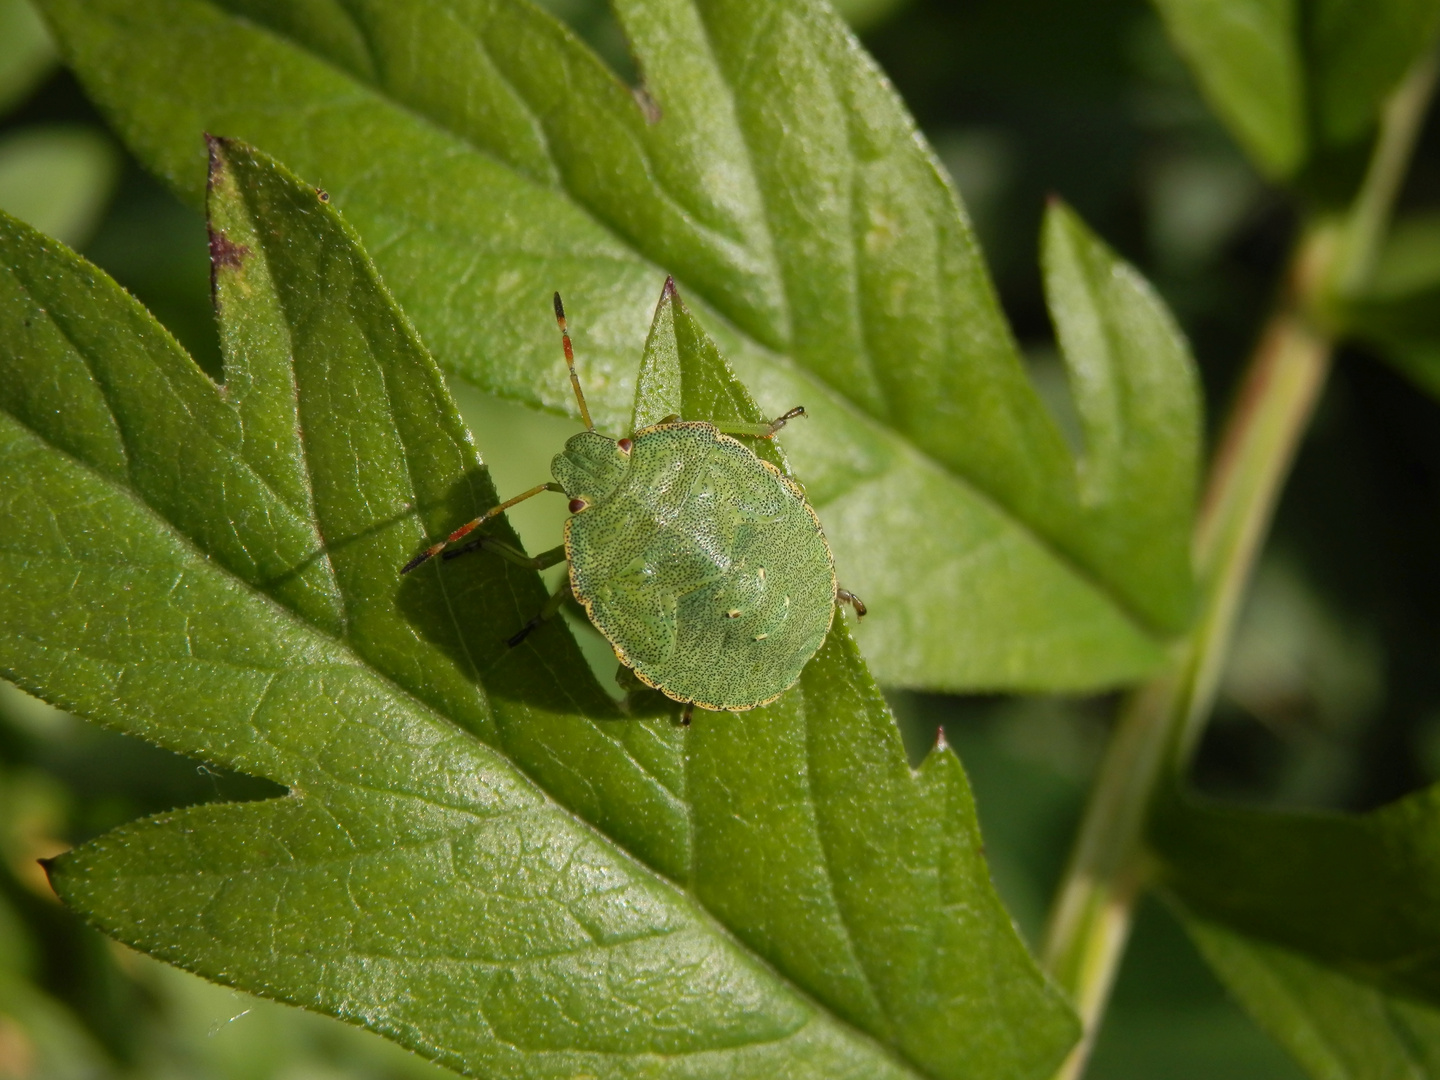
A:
x: 477, y: 858
x: 1356, y: 893
x: 683, y: 374
x: 487, y: 158
x: 1293, y: 77
x: 1337, y: 1027
x: 1137, y: 394
x: 1248, y: 60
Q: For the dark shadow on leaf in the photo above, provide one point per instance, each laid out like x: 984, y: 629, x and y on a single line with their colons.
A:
x: 333, y: 547
x: 469, y: 607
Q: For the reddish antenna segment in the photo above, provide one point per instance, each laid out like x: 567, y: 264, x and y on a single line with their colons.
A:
x: 570, y: 362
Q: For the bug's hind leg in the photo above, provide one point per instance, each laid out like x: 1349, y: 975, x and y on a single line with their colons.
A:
x: 760, y: 431
x: 515, y: 555
x: 554, y: 604
x: 845, y: 596
x: 470, y: 526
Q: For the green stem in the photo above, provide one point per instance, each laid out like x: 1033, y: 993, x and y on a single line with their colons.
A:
x: 1162, y: 720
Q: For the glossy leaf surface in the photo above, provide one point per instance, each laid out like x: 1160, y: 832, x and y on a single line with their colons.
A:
x: 478, y: 857
x: 1138, y: 398
x: 487, y: 158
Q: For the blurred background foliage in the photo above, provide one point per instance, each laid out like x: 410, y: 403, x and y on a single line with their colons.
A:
x: 1332, y: 697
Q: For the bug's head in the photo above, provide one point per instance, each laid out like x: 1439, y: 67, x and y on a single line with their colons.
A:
x: 590, y: 465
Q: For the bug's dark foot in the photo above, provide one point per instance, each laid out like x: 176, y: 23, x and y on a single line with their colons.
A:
x: 463, y: 549
x: 845, y: 596
x: 780, y: 421
x: 686, y: 713
x: 524, y: 631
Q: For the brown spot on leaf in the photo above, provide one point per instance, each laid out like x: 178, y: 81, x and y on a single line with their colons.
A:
x: 224, y: 252
x: 649, y: 107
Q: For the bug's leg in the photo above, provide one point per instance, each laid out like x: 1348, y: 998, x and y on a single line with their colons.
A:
x: 686, y: 713
x: 471, y: 526
x: 554, y: 604
x: 845, y: 596
x: 506, y: 551
x: 760, y: 431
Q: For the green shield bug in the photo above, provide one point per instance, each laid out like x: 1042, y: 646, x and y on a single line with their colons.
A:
x: 703, y: 565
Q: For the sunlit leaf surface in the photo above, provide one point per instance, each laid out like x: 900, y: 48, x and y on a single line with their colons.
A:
x: 487, y: 159
x: 478, y: 856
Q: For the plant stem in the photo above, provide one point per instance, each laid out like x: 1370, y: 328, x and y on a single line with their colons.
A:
x: 1162, y: 721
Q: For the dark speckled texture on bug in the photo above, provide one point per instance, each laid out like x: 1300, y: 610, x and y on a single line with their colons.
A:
x: 702, y: 565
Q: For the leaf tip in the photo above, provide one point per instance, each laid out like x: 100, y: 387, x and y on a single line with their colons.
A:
x: 51, y: 865
x: 649, y: 107
x: 669, y: 290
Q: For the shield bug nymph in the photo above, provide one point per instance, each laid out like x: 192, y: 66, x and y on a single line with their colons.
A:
x: 704, y: 566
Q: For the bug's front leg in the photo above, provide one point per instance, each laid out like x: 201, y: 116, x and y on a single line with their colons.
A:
x: 760, y: 431
x: 845, y: 596
x: 470, y: 526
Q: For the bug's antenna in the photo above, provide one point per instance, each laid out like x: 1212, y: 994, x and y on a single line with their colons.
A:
x: 570, y: 360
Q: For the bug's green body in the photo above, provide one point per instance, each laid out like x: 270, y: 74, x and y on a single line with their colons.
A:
x: 703, y: 565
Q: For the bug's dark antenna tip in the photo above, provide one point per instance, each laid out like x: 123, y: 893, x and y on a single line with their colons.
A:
x: 570, y: 363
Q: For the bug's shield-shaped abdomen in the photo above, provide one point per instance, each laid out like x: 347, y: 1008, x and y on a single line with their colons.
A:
x: 705, y: 569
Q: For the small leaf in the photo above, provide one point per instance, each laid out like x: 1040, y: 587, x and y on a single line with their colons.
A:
x: 1355, y: 893
x: 476, y: 858
x: 1337, y: 1027
x: 1293, y: 77
x: 683, y: 374
x: 488, y: 158
x: 1247, y: 58
x: 1137, y: 393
